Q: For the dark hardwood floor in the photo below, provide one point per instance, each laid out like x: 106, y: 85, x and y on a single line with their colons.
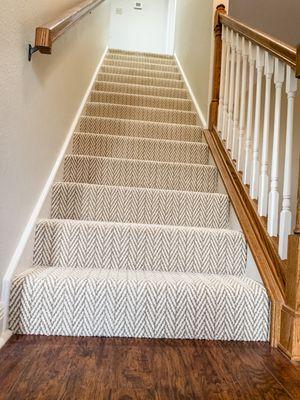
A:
x: 54, y: 368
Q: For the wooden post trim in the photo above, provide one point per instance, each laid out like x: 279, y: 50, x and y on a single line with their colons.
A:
x: 214, y: 105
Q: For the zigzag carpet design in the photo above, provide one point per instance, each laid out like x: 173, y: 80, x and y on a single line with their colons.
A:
x: 139, y: 241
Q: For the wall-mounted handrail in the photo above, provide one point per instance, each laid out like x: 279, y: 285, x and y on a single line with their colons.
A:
x: 298, y: 63
x: 282, y: 51
x: 46, y: 34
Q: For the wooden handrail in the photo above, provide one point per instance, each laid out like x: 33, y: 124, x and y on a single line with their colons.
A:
x: 282, y: 51
x: 48, y: 33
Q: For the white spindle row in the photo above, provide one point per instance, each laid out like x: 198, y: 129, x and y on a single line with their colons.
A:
x: 246, y: 117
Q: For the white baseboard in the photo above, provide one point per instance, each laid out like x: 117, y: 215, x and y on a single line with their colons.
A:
x: 187, y: 83
x: 4, y: 337
x: 29, y: 229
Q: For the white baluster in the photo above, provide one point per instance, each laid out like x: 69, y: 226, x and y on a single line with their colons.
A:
x: 255, y: 150
x: 231, y: 91
x: 226, y: 85
x: 222, y: 83
x: 286, y: 214
x: 247, y: 169
x: 273, y: 204
x: 245, y: 48
x: 236, y: 97
x: 264, y: 177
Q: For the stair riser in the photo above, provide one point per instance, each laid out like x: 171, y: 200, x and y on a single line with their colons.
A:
x: 133, y: 205
x: 139, y: 113
x: 126, y: 88
x: 140, y: 149
x: 138, y: 80
x: 133, y: 64
x: 132, y: 173
x: 148, y: 60
x: 140, y: 72
x: 141, y: 101
x: 74, y: 244
x: 140, y: 306
x: 143, y: 129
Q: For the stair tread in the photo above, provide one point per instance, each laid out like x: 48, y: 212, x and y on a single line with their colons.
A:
x: 142, y: 65
x: 139, y: 148
x: 140, y: 80
x: 103, y: 244
x: 81, y: 201
x: 140, y: 53
x: 138, y: 304
x: 131, y: 99
x: 111, y: 69
x: 159, y: 91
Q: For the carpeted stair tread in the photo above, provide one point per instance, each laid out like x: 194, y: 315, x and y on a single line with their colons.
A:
x: 148, y: 60
x: 141, y: 100
x: 139, y: 205
x: 141, y: 65
x: 108, y: 69
x: 130, y: 88
x: 140, y: 80
x: 140, y: 148
x: 121, y: 111
x: 111, y: 245
x: 141, y: 54
x: 140, y: 173
x: 135, y: 128
x: 93, y: 302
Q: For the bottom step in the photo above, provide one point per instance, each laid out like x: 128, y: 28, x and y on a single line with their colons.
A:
x: 95, y: 302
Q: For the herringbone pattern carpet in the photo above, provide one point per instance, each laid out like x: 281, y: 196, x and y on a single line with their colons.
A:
x: 139, y: 241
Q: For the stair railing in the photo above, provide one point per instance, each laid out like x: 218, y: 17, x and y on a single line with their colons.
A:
x: 47, y: 34
x: 252, y: 116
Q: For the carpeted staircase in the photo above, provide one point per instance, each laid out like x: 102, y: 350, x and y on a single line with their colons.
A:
x: 139, y: 243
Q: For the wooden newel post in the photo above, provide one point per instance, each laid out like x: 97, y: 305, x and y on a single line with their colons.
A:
x: 213, y: 111
x: 298, y: 62
x: 290, y: 315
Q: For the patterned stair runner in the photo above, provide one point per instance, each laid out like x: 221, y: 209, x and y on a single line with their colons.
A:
x: 139, y: 242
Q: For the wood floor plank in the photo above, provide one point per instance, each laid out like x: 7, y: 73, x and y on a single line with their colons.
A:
x: 65, y: 368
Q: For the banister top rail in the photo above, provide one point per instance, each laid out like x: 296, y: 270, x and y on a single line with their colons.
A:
x: 282, y: 51
x: 47, y: 34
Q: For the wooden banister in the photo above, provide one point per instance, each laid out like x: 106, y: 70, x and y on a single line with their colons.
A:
x: 298, y: 62
x: 282, y: 51
x: 48, y: 33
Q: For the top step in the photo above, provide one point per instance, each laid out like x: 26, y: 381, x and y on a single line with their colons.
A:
x: 140, y: 54
x: 141, y: 59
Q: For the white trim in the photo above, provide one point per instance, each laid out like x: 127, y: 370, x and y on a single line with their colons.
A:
x: 197, y: 107
x: 17, y: 256
x: 4, y: 337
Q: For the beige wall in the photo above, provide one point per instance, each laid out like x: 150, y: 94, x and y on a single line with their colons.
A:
x: 38, y: 103
x: 279, y: 18
x: 193, y: 45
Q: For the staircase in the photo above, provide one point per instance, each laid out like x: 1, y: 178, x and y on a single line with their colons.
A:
x: 139, y: 242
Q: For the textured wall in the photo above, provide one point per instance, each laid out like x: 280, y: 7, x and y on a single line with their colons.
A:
x: 279, y: 18
x: 38, y: 103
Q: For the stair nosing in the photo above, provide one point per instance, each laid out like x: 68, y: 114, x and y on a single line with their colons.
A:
x: 141, y: 69
x: 144, y: 108
x: 134, y: 224
x: 138, y: 138
x: 142, y: 96
x: 144, y: 77
x: 131, y: 188
x: 198, y: 127
x: 134, y: 160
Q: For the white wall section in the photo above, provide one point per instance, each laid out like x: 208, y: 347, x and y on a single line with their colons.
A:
x: 139, y: 28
